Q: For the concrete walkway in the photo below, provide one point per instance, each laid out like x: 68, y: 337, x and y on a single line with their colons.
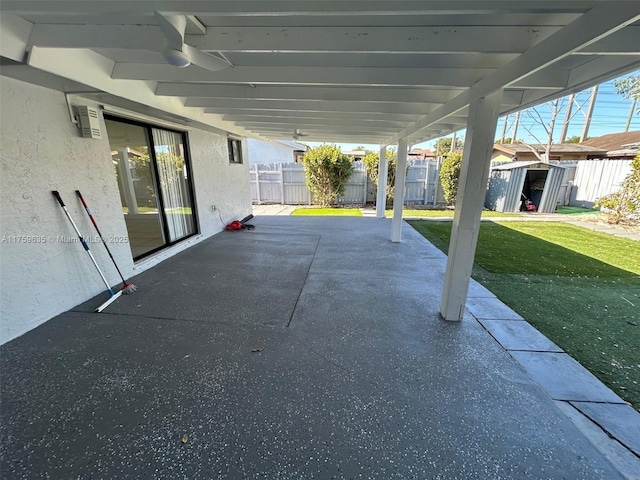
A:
x: 306, y: 348
x: 573, y: 220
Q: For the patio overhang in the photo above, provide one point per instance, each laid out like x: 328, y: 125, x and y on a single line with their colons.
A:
x: 383, y: 72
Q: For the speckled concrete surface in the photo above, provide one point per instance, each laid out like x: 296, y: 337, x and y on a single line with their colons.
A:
x: 310, y: 364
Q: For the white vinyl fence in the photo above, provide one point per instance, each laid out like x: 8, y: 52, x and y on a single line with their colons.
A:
x: 584, y: 182
x: 284, y: 183
x: 587, y: 180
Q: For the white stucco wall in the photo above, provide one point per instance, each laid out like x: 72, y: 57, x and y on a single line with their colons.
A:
x: 268, y: 152
x: 40, y: 151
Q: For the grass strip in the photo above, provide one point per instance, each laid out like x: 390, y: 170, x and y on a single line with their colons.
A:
x: 334, y: 212
x: 579, y: 288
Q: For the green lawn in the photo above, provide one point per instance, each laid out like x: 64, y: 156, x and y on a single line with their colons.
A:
x: 337, y: 212
x: 576, y: 211
x: 578, y: 287
x: 429, y: 213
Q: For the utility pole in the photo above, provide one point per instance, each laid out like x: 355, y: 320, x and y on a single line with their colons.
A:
x: 567, y: 119
x: 515, y: 128
x: 633, y: 109
x: 454, y: 140
x: 504, y: 129
x: 587, y: 120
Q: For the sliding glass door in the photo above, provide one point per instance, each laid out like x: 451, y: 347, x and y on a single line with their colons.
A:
x: 152, y: 170
x: 174, y: 183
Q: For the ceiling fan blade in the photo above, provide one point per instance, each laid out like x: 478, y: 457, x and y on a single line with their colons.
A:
x: 204, y: 60
x: 173, y: 27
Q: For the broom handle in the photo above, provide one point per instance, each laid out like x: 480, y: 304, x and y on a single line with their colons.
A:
x: 95, y: 224
x: 84, y: 243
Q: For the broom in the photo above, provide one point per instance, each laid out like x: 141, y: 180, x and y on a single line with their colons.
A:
x: 127, y: 287
x: 113, y: 295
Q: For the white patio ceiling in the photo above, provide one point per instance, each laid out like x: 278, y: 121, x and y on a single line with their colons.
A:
x: 363, y: 71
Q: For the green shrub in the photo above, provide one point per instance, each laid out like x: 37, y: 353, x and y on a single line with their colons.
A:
x: 450, y: 175
x: 327, y: 171
x: 625, y: 203
x: 372, y: 162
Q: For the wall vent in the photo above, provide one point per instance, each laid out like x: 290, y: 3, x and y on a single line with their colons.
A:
x: 89, y: 121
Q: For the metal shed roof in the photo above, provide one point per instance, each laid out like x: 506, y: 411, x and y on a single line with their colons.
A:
x: 367, y: 71
x: 514, y: 165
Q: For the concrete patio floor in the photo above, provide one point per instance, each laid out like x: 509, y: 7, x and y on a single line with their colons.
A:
x: 306, y: 348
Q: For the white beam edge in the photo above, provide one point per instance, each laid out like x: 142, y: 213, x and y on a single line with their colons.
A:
x: 597, y: 23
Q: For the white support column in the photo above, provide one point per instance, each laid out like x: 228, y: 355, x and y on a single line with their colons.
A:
x: 381, y: 198
x: 398, y: 196
x: 474, y: 176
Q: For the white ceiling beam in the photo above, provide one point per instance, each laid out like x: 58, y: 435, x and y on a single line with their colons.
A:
x: 602, y: 69
x: 402, y: 19
x: 265, y: 92
x: 14, y: 36
x: 511, y: 97
x: 455, y: 77
x: 141, y: 37
x: 623, y: 42
x: 237, y: 115
x: 333, y: 122
x: 459, y: 39
x: 288, y: 8
x: 604, y: 19
x: 326, y: 138
x: 277, y: 126
x: 319, y: 106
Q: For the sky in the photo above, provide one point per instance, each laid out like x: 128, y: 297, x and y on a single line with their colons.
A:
x: 609, y: 116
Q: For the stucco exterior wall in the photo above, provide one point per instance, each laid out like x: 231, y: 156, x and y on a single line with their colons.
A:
x: 43, y: 272
x: 268, y: 152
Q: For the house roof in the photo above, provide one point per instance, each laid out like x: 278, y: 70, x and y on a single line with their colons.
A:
x: 614, y: 141
x: 293, y: 145
x: 556, y: 148
x: 361, y: 71
x: 355, y: 153
x: 514, y: 165
x: 422, y: 151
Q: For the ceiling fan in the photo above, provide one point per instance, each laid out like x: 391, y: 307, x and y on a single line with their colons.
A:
x: 297, y: 133
x: 178, y: 53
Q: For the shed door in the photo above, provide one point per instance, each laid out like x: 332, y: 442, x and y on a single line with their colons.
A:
x: 549, y: 198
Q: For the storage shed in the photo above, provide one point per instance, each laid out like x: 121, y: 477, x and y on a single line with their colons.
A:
x: 511, y: 184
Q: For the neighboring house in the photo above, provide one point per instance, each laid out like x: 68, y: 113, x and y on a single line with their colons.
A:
x: 281, y: 151
x: 561, y: 151
x: 355, y: 155
x: 617, y: 145
x: 421, y: 154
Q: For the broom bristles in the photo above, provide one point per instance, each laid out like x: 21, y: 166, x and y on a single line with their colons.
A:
x: 128, y: 288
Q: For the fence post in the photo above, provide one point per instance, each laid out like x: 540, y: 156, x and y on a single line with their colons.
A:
x: 366, y: 181
x: 436, y: 182
x: 258, y: 182
x: 280, y: 167
x: 427, y: 176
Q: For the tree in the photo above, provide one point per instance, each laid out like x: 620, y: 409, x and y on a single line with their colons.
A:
x: 554, y: 108
x: 327, y: 171
x: 372, y: 162
x: 443, y: 146
x: 629, y: 88
x: 574, y: 139
x: 625, y: 203
x: 450, y: 175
